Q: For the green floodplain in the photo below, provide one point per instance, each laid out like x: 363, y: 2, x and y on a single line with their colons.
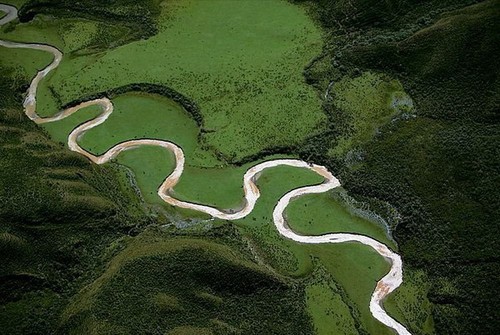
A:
x: 242, y: 63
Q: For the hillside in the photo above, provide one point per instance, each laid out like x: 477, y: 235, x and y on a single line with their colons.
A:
x: 437, y: 163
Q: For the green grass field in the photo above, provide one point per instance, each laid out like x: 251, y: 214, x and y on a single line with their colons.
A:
x: 242, y: 65
x: 26, y: 62
x: 321, y: 213
x: 331, y: 315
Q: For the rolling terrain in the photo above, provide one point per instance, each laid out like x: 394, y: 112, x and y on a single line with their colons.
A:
x: 438, y: 163
x: 370, y: 91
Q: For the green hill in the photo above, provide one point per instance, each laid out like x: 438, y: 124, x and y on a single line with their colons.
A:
x: 437, y: 162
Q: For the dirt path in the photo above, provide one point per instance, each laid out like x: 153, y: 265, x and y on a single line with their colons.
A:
x: 10, y: 14
x: 385, y: 286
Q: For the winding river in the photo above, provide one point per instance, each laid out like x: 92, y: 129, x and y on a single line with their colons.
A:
x: 385, y: 286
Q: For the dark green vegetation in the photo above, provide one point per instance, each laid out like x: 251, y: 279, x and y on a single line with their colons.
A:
x: 132, y: 20
x: 187, y: 283
x: 57, y: 214
x: 439, y: 163
x: 68, y: 225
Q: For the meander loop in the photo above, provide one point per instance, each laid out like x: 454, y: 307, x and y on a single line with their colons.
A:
x: 385, y: 286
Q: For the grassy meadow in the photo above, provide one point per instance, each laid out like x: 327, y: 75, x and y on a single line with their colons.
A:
x: 242, y: 65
